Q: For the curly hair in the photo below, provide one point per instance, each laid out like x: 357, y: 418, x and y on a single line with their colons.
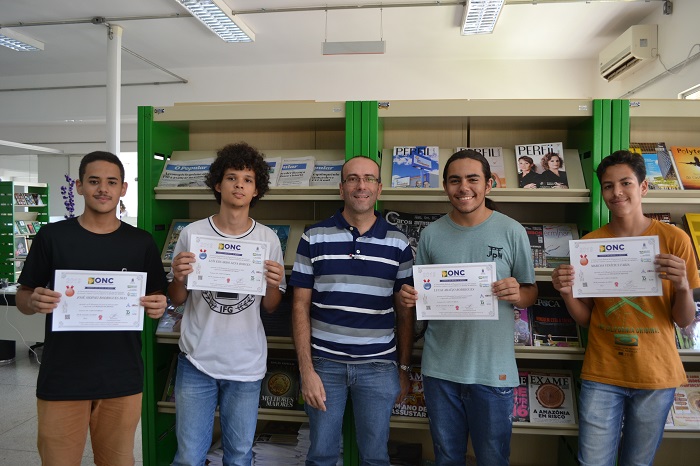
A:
x: 239, y: 156
x: 547, y: 157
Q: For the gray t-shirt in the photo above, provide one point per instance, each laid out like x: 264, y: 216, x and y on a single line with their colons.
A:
x: 476, y: 351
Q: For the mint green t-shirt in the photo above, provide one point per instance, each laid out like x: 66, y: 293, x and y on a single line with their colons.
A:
x: 476, y: 351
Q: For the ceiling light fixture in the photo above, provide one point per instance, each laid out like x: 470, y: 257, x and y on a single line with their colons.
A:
x: 19, y: 42
x: 480, y: 16
x: 219, y: 18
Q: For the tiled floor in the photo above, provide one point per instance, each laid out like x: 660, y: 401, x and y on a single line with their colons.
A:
x: 18, y: 414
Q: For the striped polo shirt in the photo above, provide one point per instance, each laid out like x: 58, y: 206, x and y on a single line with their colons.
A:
x: 353, y: 279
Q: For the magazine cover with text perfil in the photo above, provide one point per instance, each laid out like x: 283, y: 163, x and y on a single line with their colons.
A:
x: 415, y: 167
x: 541, y: 166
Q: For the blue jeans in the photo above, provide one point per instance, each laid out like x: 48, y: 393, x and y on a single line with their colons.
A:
x: 196, y: 398
x: 373, y: 387
x: 602, y: 410
x: 456, y: 411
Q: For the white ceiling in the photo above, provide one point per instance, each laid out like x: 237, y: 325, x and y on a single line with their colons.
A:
x: 561, y: 30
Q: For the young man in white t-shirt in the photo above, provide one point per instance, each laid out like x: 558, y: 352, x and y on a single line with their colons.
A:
x: 224, y: 349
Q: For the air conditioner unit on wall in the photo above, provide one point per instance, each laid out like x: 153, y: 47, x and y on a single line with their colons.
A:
x: 633, y: 49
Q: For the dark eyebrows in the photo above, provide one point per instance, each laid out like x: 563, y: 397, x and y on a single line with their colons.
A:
x: 470, y: 175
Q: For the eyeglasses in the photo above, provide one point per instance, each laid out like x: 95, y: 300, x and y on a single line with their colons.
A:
x: 353, y: 180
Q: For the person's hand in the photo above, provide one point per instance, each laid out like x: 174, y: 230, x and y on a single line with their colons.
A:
x: 408, y: 296
x: 530, y: 186
x: 672, y: 268
x: 182, y: 266
x: 274, y: 272
x: 563, y: 278
x: 507, y: 289
x: 44, y: 300
x: 154, y: 305
x: 312, y: 390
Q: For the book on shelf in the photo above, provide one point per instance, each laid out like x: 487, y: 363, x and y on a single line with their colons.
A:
x: 494, y: 155
x: 279, y: 432
x: 661, y: 169
x: 296, y: 171
x: 551, y: 324
x: 410, y: 224
x: 20, y: 199
x: 549, y: 243
x: 414, y: 403
x: 176, y: 227
x: 22, y: 228
x: 37, y: 226
x: 21, y: 247
x: 30, y: 227
x: 326, y: 173
x: 279, y: 323
x: 415, y: 167
x: 185, y: 173
x: 664, y: 217
x: 522, y: 336
x: 551, y: 397
x: 686, y: 403
x: 169, y: 322
x: 280, y: 386
x: 689, y: 337
x: 282, y: 232
x: 169, y: 391
x: 687, y: 161
x: 691, y: 224
x: 274, y: 165
x: 521, y: 407
x: 544, y: 173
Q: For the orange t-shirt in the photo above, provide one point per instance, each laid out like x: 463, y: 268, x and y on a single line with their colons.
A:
x: 631, y: 341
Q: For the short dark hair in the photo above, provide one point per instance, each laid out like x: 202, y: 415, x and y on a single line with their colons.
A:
x: 239, y: 156
x: 485, y: 167
x: 548, y: 156
x: 99, y: 156
x: 623, y: 157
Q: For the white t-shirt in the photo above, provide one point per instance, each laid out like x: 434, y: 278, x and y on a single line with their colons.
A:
x: 222, y: 333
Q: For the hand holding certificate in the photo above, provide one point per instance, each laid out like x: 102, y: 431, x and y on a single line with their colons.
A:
x: 99, y: 300
x: 615, y: 267
x: 228, y: 265
x: 456, y: 291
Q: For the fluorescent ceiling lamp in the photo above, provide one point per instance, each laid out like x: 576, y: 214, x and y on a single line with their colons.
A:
x: 354, y: 48
x: 219, y: 18
x: 19, y: 42
x: 480, y: 16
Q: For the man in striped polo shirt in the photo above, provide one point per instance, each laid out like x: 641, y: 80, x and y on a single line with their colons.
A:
x: 346, y: 277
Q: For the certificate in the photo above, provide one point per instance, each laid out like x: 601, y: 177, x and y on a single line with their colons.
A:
x: 456, y: 291
x: 98, y: 300
x: 615, y: 267
x: 228, y: 265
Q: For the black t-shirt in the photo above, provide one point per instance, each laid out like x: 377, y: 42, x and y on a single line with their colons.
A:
x: 90, y: 365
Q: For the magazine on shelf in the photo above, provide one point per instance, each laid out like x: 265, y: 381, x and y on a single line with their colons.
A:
x: 661, y: 169
x: 280, y: 387
x: 185, y: 173
x: 687, y: 161
x: 535, y: 234
x: 21, y: 247
x: 549, y: 243
x: 498, y: 167
x: 169, y: 392
x: 660, y: 216
x: 415, y: 167
x: 176, y: 227
x: 326, y: 173
x: 20, y: 199
x: 522, y: 335
x: 274, y: 165
x: 691, y: 224
x: 414, y: 403
x: 296, y: 171
x: 169, y: 322
x: 541, y: 177
x: 521, y: 407
x: 551, y: 398
x: 552, y: 326
x: 22, y: 227
x: 689, y: 337
x: 410, y: 225
x: 686, y: 403
x: 282, y: 232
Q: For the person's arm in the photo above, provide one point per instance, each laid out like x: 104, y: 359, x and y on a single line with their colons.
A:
x: 404, y: 342
x: 579, y: 308
x: 274, y: 272
x: 311, y: 385
x: 37, y: 300
x: 673, y: 268
x: 181, y: 268
x: 519, y: 295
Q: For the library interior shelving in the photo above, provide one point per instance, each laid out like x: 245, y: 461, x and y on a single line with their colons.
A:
x: 588, y: 129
